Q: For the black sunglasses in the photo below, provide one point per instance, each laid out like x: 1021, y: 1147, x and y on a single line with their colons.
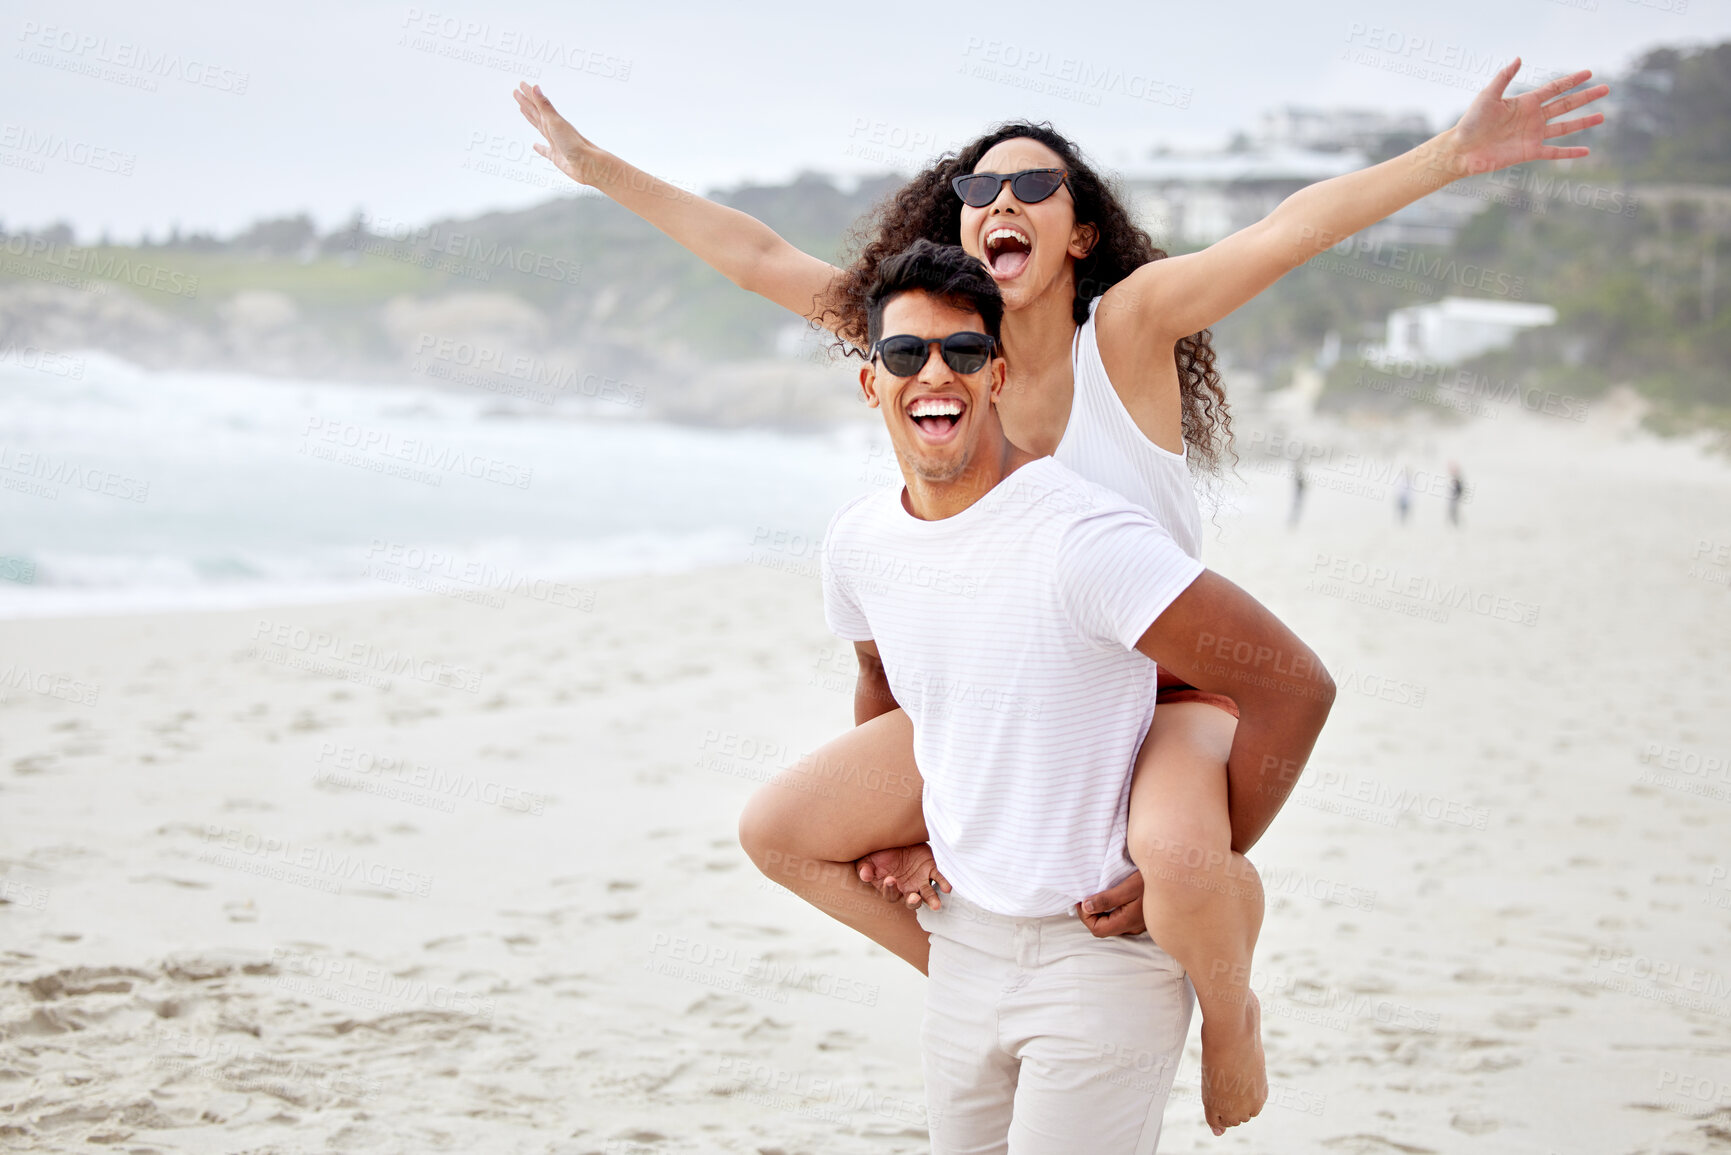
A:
x: 905, y: 354
x: 1030, y: 186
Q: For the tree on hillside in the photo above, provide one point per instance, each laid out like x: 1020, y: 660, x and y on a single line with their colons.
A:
x: 1672, y: 118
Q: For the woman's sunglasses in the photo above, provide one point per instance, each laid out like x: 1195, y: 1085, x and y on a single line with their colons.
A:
x: 905, y: 354
x: 1030, y: 186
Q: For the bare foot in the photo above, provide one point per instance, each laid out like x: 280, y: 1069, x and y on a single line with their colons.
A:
x: 906, y: 874
x: 1234, y: 1071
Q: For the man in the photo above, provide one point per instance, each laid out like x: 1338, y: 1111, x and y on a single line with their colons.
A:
x: 1027, y: 677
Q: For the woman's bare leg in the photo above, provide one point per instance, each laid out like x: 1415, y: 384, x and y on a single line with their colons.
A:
x: 1202, y: 902
x: 860, y: 793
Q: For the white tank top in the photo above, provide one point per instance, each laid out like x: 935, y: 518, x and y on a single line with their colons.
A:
x: 1103, y: 444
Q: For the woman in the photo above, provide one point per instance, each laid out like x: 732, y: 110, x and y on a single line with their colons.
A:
x: 1111, y: 370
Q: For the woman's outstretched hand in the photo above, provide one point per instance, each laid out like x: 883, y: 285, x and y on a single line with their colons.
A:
x: 569, y: 150
x: 1497, y: 132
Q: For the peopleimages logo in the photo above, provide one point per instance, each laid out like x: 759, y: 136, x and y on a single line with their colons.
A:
x: 305, y: 863
x: 92, y: 55
x: 40, y: 360
x: 457, y: 38
x: 351, y: 444
x: 1536, y: 188
x: 1409, y: 259
x: 865, y: 569
x: 1662, y: 980
x: 468, y: 579
x: 49, y: 472
x: 107, y: 266
x: 814, y: 1096
x: 277, y: 641
x: 43, y: 146
x: 468, y: 246
x: 1335, y: 575
x: 1068, y: 77
x: 371, y: 986
x: 681, y: 957
x: 1342, y: 791
x: 49, y: 685
x: 371, y: 772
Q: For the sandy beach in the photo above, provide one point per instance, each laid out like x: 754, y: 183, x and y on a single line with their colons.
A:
x: 428, y: 874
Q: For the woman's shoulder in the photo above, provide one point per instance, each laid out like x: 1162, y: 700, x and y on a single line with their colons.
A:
x: 1135, y: 300
x: 1138, y: 364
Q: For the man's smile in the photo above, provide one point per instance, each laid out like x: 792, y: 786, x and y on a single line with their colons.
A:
x: 936, y: 418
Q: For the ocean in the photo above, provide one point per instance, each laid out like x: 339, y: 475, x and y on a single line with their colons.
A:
x: 125, y: 490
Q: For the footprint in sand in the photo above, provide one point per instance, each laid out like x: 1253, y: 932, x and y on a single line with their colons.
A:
x: 749, y: 930
x: 610, y: 916
x: 640, y: 1137
x: 184, y: 883
x: 719, y: 1008
x: 73, y: 982
x: 841, y: 1041
x: 1374, y: 1145
x: 1474, y: 1123
x: 198, y: 968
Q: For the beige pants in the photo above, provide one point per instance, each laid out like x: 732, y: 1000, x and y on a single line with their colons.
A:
x: 1040, y: 1039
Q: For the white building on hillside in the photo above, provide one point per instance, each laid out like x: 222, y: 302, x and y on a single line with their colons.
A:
x: 1337, y: 129
x: 1188, y: 200
x: 1194, y: 199
x: 1456, y: 329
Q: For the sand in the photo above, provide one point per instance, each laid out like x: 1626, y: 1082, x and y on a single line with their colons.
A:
x: 262, y: 897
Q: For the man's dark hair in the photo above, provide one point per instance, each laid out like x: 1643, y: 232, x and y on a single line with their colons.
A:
x: 927, y: 206
x: 947, y: 272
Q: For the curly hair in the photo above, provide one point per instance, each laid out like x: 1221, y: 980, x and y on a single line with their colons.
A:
x: 927, y: 208
x: 947, y: 272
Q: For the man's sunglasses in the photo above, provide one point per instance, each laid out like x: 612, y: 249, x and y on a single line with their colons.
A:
x: 1030, y: 186
x: 905, y: 354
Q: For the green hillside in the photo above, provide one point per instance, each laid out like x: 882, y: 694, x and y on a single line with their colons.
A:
x: 1627, y: 247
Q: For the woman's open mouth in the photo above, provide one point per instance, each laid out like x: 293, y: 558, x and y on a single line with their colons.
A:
x: 1007, y: 251
x: 936, y: 418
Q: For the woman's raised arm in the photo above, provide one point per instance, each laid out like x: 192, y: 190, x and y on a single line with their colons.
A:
x: 1179, y: 296
x: 738, y: 246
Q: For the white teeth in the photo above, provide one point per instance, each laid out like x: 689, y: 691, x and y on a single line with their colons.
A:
x: 1017, y: 234
x: 935, y: 407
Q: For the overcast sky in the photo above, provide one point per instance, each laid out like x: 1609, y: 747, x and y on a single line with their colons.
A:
x: 126, y: 117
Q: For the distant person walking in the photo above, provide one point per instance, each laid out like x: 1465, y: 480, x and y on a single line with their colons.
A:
x: 1297, y: 493
x: 1403, y: 498
x: 1457, y: 488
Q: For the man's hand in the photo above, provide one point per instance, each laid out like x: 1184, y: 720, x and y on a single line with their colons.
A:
x: 1117, y: 910
x: 905, y: 874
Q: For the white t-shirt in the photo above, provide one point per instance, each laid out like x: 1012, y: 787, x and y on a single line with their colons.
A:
x: 1008, y: 634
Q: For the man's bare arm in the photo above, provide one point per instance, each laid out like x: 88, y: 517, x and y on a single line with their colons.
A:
x: 1220, y: 639
x: 871, y: 691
